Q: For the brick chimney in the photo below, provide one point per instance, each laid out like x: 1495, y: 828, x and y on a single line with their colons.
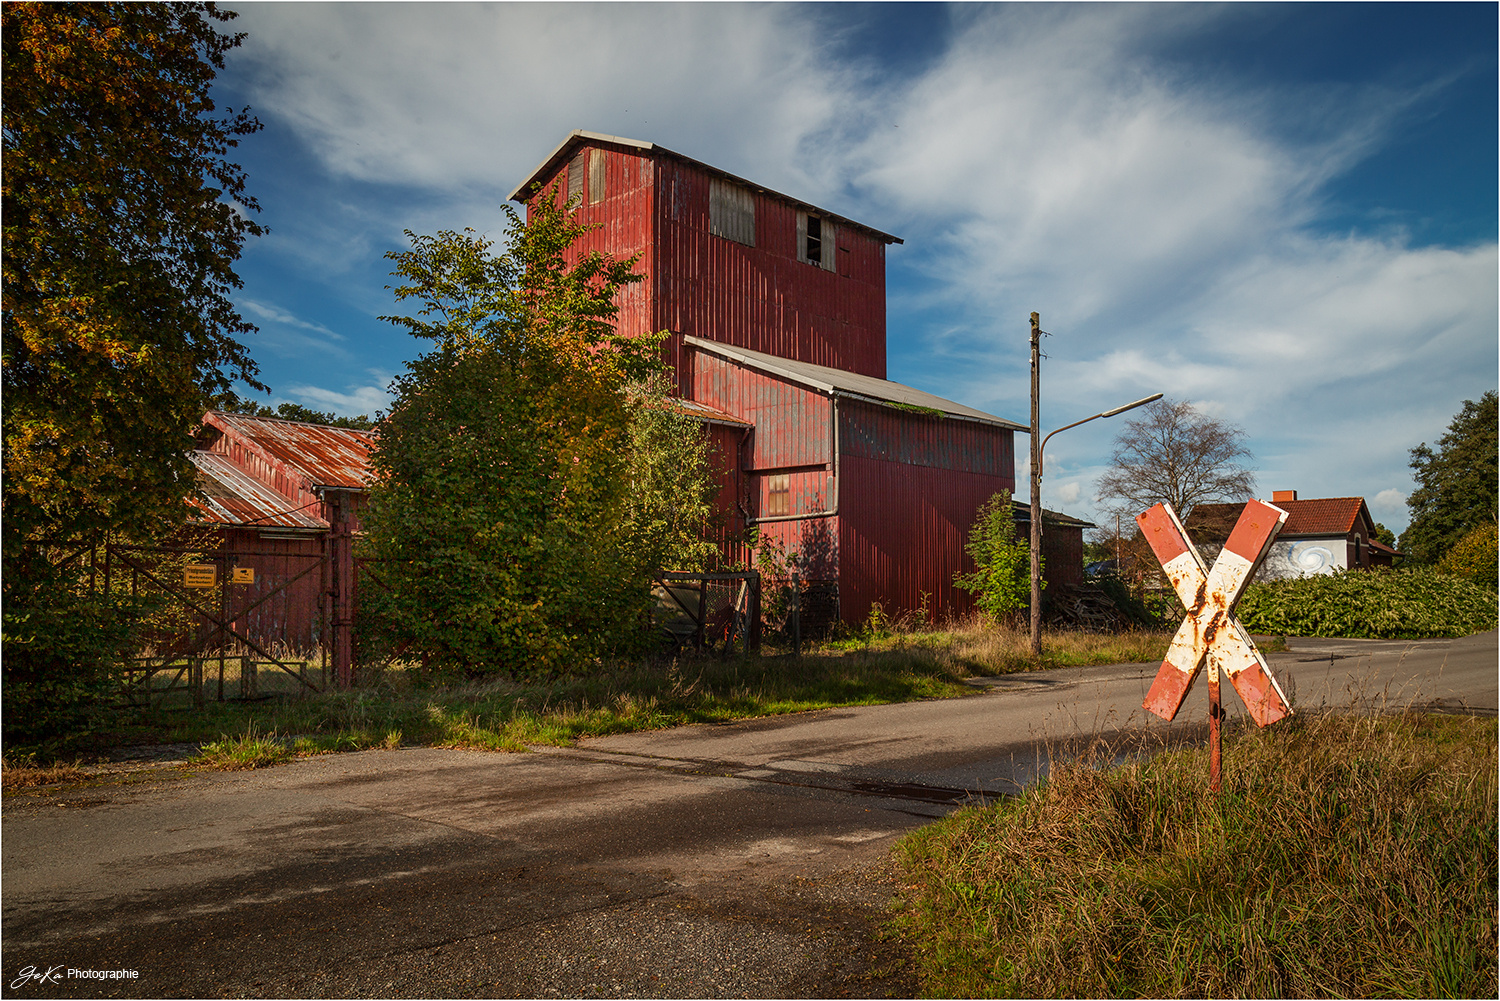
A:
x: 1283, y: 495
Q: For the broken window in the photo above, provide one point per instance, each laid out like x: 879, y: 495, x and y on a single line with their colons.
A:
x: 731, y: 212
x: 815, y: 240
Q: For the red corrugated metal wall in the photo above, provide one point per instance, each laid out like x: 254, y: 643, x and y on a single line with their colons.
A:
x: 758, y: 297
x: 901, y: 533
x: 911, y: 486
x: 762, y: 297
x: 792, y: 424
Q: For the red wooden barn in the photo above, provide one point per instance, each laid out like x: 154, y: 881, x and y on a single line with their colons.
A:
x: 285, y: 499
x: 777, y: 314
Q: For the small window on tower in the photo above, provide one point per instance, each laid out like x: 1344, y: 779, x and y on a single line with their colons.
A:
x: 586, y: 176
x: 731, y: 212
x: 596, y: 176
x: 576, y: 169
x: 778, y: 495
x: 815, y: 240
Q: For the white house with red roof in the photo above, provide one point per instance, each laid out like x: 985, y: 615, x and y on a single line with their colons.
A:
x: 1321, y: 535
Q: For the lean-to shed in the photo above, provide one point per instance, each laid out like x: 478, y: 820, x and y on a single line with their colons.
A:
x: 284, y: 497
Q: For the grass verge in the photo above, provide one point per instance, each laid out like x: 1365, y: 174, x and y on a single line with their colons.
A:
x: 503, y: 715
x: 1348, y: 855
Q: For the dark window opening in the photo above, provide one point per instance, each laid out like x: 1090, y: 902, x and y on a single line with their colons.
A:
x: 814, y: 249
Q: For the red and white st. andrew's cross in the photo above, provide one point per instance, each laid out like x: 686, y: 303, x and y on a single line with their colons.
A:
x: 1211, y: 632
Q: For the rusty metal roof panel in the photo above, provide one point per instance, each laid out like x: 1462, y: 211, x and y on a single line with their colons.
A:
x: 227, y: 495
x: 324, y: 456
x: 706, y: 413
x: 838, y: 382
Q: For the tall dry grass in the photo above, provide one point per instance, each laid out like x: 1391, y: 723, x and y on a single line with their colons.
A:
x: 1348, y: 855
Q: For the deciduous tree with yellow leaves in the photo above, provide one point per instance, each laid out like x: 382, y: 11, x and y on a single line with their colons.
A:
x: 122, y: 221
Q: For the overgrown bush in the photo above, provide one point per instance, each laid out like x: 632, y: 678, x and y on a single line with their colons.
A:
x: 511, y: 523
x: 1001, y: 581
x: 1417, y: 603
x: 64, y: 646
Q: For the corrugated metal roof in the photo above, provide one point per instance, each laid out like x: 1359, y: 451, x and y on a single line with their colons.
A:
x: 579, y: 136
x: 325, y: 456
x: 1021, y: 512
x: 840, y: 383
x: 227, y: 495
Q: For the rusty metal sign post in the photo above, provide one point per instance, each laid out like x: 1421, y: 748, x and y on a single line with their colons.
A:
x: 1210, y: 632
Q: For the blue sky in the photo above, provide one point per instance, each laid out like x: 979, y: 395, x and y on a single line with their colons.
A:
x: 1284, y: 213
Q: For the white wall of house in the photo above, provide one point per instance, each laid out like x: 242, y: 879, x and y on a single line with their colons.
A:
x: 1305, y: 557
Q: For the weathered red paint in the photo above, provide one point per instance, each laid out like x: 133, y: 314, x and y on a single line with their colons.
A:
x: 265, y: 475
x: 1170, y: 688
x: 1162, y: 533
x: 1210, y: 626
x: 1253, y: 532
x: 656, y: 208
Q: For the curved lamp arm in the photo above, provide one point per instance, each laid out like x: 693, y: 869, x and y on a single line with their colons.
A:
x: 1107, y: 413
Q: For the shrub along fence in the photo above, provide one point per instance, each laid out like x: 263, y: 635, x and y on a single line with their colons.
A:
x: 1417, y: 603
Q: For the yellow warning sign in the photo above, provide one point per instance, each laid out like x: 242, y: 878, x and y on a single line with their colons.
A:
x: 200, y: 575
x: 243, y: 575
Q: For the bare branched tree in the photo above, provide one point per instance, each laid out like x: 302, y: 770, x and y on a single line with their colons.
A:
x: 1174, y: 454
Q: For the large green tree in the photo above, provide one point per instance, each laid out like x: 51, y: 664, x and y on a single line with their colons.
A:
x: 1456, y: 483
x: 122, y: 222
x: 510, y: 523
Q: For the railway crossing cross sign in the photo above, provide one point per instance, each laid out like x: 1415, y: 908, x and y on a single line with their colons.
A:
x: 1210, y: 633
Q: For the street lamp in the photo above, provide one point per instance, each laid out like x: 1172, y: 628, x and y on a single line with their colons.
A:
x: 1037, y: 445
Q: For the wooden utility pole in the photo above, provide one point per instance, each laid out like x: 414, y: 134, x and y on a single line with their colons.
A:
x: 1036, y: 485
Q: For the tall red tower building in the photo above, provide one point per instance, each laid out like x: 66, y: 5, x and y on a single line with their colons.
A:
x: 777, y: 313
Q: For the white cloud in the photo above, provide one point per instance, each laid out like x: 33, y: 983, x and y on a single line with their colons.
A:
x: 449, y: 95
x: 275, y: 314
x: 1165, y: 224
x: 358, y: 400
x: 1387, y: 503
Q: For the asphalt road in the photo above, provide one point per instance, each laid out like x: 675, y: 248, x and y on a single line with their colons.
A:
x: 745, y: 859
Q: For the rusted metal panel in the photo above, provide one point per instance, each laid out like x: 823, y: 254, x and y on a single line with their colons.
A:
x: 301, y: 456
x: 227, y: 495
x: 902, y: 531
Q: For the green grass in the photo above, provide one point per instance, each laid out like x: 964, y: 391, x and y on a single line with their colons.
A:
x: 1348, y: 855
x: 502, y: 715
x: 251, y: 750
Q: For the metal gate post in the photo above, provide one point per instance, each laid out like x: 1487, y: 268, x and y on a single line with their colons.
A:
x: 752, y: 638
x: 342, y: 560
